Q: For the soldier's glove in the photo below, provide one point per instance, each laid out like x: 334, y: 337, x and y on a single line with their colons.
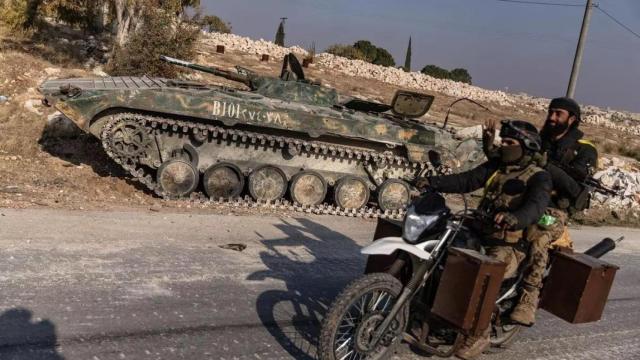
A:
x: 422, y: 183
x: 506, y: 219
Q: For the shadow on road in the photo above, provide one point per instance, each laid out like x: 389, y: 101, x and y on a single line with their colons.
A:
x: 22, y: 338
x: 293, y: 316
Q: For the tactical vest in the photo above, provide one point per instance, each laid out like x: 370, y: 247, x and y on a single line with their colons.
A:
x: 504, y: 192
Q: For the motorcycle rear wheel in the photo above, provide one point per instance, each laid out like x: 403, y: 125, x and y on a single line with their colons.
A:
x: 355, y: 314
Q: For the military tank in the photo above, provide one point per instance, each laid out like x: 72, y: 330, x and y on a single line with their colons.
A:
x: 285, y: 139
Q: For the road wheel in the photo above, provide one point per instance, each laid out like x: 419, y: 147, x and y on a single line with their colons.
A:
x: 267, y: 183
x: 354, y: 316
x: 351, y: 192
x: 393, y: 194
x: 177, y: 177
x: 308, y: 188
x: 223, y: 180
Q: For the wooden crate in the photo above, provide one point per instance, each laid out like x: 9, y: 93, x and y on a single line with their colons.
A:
x: 468, y: 289
x: 577, y: 287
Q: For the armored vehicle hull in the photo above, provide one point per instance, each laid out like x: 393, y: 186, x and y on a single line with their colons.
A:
x: 181, y: 138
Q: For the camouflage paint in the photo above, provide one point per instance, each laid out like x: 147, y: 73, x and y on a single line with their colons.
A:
x: 310, y: 109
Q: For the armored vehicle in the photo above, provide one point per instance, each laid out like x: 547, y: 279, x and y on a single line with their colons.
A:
x: 284, y: 137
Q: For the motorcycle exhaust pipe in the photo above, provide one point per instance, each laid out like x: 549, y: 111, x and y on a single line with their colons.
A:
x: 603, y: 247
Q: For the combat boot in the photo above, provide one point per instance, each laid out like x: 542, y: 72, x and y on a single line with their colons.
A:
x: 525, y: 311
x: 473, y: 346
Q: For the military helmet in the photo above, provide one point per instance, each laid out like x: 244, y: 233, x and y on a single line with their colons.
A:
x: 525, y: 132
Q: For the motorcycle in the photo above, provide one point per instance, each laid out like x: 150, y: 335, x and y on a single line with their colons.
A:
x: 392, y: 301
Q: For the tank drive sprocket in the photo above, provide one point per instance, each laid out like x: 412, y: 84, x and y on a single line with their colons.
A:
x: 127, y: 140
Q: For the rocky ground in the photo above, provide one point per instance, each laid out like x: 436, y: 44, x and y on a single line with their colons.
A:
x: 51, y: 166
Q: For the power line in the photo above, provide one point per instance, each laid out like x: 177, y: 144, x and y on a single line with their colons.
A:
x: 540, y: 3
x: 597, y: 6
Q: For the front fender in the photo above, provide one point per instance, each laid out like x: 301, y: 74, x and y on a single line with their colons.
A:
x: 389, y: 245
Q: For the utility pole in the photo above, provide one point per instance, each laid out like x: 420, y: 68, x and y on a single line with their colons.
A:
x: 577, y: 60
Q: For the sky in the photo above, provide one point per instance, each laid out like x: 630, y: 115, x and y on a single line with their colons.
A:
x: 505, y: 46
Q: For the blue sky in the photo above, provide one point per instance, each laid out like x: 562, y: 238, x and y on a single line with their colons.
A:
x: 510, y: 46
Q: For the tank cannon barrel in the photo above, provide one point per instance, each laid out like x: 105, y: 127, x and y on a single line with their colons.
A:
x: 208, y: 69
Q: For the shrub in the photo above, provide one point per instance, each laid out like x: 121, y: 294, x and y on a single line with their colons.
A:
x: 14, y: 13
x: 160, y: 34
x: 374, y: 54
x: 212, y: 23
x: 346, y: 51
x: 459, y: 74
x: 363, y: 50
x: 435, y: 71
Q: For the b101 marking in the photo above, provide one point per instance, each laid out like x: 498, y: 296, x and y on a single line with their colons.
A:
x: 237, y: 111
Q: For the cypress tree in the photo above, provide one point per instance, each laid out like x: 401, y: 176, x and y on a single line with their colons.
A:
x: 407, y: 59
x: 280, y: 33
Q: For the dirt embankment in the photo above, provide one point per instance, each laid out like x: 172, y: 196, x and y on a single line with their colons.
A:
x: 38, y: 170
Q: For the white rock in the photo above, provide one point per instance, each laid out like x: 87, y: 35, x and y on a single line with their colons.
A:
x: 470, y: 132
x: 52, y: 71
x: 59, y: 126
x: 97, y: 71
x: 31, y: 105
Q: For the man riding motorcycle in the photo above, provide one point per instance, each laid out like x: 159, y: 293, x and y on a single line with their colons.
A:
x: 517, y: 192
x: 570, y: 159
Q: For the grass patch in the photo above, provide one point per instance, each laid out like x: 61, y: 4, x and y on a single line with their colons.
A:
x: 624, y: 147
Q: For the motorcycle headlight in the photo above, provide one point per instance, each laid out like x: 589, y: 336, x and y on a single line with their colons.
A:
x: 415, y: 224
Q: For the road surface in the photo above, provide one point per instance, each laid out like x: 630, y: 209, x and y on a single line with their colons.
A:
x: 155, y: 285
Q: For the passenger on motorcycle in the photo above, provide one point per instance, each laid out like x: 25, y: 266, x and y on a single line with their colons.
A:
x: 571, y: 159
x: 516, y: 193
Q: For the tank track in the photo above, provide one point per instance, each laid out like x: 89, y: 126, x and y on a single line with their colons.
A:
x: 157, y: 125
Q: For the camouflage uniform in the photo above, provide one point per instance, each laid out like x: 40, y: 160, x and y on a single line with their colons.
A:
x: 543, y: 237
x: 506, y: 245
x: 571, y: 159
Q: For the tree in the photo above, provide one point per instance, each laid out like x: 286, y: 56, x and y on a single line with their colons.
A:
x: 384, y: 58
x: 161, y: 33
x: 435, y: 71
x: 128, y: 18
x: 129, y: 14
x: 368, y: 50
x: 19, y: 14
x: 461, y: 75
x: 374, y: 54
x: 280, y: 33
x: 407, y: 58
x: 85, y: 14
x: 212, y: 23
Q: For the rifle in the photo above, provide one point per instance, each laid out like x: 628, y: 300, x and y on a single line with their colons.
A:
x: 596, y: 185
x: 590, y: 183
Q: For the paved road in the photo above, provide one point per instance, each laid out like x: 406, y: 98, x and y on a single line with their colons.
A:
x: 146, y: 285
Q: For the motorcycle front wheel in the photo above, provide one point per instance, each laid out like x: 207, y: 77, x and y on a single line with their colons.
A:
x: 355, y: 315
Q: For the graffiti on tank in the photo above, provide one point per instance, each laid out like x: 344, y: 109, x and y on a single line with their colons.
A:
x: 238, y: 111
